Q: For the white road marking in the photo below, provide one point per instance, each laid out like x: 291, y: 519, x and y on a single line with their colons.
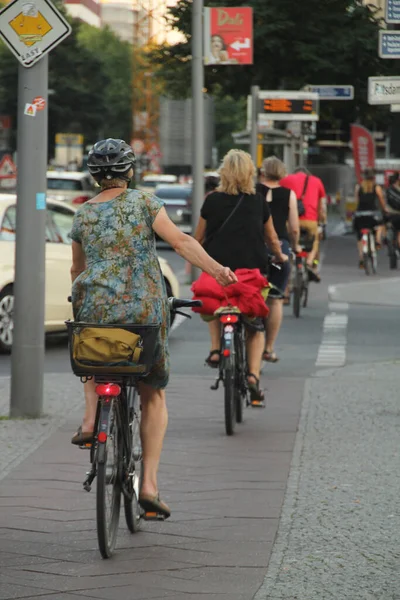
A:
x: 332, y: 351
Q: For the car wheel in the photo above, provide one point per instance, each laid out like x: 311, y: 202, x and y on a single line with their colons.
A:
x: 6, y: 319
x: 169, y: 294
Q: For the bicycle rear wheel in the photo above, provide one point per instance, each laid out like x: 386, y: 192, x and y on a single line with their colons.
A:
x: 230, y: 401
x: 133, y: 512
x: 240, y: 386
x: 108, y: 493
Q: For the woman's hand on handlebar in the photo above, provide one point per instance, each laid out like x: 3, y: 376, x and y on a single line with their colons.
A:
x: 280, y: 258
x: 224, y: 276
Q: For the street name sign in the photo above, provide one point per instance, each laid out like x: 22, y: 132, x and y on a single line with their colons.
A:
x: 392, y: 14
x: 31, y: 28
x: 332, y: 92
x: 285, y: 106
x: 384, y: 90
x: 389, y: 44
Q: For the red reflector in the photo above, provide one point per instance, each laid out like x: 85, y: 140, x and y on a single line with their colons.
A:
x: 226, y: 352
x: 102, y: 437
x: 229, y: 319
x: 302, y: 254
x: 108, y: 389
x: 364, y: 231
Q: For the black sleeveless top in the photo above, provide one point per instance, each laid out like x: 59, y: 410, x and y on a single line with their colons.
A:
x: 367, y: 201
x: 279, y: 207
x: 239, y: 245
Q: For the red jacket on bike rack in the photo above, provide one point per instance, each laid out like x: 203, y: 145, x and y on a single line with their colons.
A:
x: 246, y: 294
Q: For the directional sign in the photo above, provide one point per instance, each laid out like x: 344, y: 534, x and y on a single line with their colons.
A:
x: 333, y: 92
x: 384, y: 90
x: 392, y: 11
x: 389, y: 44
x: 31, y: 28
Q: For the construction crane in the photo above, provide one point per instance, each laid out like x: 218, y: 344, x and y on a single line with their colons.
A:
x: 149, y: 31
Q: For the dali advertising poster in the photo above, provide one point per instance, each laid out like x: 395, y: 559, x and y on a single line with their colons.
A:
x: 228, y: 36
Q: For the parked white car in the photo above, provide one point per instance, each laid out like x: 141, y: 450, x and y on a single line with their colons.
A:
x: 74, y: 187
x: 58, y: 265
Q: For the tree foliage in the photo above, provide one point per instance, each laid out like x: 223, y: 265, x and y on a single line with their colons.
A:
x: 90, y: 75
x: 295, y: 44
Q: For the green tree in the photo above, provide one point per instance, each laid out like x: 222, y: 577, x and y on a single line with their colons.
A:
x: 89, y: 83
x: 115, y: 57
x: 295, y: 43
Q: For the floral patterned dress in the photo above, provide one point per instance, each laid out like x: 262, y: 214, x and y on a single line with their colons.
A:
x: 122, y: 282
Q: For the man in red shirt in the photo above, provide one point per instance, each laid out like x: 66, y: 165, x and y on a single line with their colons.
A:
x: 311, y: 190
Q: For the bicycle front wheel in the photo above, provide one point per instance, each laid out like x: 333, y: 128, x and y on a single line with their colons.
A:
x: 108, y: 494
x: 230, y: 396
x: 297, y: 289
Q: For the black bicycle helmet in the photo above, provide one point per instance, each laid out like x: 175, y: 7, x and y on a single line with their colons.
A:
x: 111, y: 158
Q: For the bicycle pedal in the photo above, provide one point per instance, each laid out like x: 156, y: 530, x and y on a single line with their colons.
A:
x: 153, y: 516
x: 85, y: 446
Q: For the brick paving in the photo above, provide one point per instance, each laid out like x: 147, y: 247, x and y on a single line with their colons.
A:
x: 225, y: 494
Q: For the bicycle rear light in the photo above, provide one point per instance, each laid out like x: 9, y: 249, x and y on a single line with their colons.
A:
x: 102, y: 437
x: 110, y: 390
x: 229, y: 319
x: 226, y: 353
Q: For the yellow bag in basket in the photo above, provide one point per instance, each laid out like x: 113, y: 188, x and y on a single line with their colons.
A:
x: 102, y: 345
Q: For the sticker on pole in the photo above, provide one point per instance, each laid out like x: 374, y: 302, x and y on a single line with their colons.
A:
x: 30, y: 110
x: 31, y: 28
x: 39, y: 102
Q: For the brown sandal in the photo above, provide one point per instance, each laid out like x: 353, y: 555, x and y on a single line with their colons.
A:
x: 270, y: 356
x: 256, y: 395
x: 152, y: 505
x: 82, y: 438
x: 214, y: 364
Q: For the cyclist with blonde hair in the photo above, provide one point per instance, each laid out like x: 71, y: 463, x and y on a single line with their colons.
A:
x: 234, y: 227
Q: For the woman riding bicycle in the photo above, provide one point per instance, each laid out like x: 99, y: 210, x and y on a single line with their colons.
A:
x: 393, y: 203
x: 117, y: 279
x: 283, y: 206
x: 367, y: 196
x: 234, y: 226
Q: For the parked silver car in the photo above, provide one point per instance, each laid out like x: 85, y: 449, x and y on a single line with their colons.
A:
x: 178, y: 204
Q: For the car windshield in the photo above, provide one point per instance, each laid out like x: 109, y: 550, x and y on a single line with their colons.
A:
x: 173, y: 192
x: 72, y: 185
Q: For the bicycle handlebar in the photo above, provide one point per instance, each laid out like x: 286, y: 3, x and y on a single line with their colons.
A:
x: 175, y: 303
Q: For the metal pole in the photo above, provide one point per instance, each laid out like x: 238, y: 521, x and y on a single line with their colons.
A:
x: 197, y: 116
x: 27, y: 364
x: 254, y: 122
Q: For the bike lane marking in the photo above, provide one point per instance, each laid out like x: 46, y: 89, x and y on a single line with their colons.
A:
x: 332, y: 350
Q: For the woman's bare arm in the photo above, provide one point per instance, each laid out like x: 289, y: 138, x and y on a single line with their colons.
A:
x: 272, y: 241
x: 381, y: 198
x: 200, y: 232
x: 78, y: 260
x: 190, y: 249
x: 293, y: 221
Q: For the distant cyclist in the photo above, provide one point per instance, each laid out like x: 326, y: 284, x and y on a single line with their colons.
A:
x: 393, y: 203
x: 311, y: 191
x: 369, y: 198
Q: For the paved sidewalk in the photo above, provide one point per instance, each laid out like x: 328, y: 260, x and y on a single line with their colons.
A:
x: 339, y: 532
x: 226, y: 496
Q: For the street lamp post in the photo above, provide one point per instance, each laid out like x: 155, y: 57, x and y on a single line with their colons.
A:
x: 197, y: 116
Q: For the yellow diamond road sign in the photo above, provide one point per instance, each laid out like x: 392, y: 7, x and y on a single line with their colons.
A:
x: 31, y: 28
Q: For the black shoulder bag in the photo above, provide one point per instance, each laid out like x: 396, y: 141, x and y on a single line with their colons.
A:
x: 300, y: 203
x: 212, y: 236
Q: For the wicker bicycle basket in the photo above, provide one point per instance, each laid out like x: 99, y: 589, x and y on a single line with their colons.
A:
x: 112, y: 349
